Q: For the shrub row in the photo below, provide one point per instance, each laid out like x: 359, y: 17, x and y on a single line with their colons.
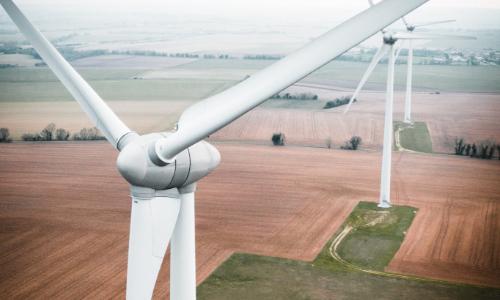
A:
x: 483, y: 150
x: 353, y: 143
x: 297, y: 96
x: 51, y: 133
x: 338, y: 102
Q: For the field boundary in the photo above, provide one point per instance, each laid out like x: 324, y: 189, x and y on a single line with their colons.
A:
x: 332, y: 249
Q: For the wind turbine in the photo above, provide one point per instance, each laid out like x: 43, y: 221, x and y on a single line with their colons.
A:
x: 410, y: 28
x: 409, y: 73
x: 163, y: 168
x: 388, y: 47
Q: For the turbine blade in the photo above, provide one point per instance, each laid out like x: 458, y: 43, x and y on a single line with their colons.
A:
x: 183, y: 251
x: 407, y: 25
x: 375, y: 60
x: 206, y: 117
x: 429, y: 36
x: 100, y: 114
x: 433, y: 23
x: 152, y: 223
x: 398, y: 52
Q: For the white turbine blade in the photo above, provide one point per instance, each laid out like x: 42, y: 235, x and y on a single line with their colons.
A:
x: 183, y: 251
x: 398, y: 52
x: 433, y: 23
x: 375, y: 60
x: 428, y: 36
x: 407, y: 25
x: 102, y: 116
x: 152, y: 222
x: 206, y: 117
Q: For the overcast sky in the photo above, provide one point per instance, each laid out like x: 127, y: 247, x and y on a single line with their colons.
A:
x: 469, y: 13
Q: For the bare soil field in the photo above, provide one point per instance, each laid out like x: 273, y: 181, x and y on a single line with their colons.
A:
x: 474, y: 117
x: 65, y: 213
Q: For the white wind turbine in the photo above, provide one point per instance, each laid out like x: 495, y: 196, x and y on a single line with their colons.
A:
x: 410, y: 28
x: 163, y: 168
x: 389, y: 41
x: 409, y: 73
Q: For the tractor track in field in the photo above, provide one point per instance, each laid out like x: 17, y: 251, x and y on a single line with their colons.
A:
x: 336, y: 256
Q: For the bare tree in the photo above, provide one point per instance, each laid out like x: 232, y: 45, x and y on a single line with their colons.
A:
x: 5, y: 135
x: 467, y: 149
x: 474, y: 150
x: 278, y: 139
x: 62, y: 134
x: 491, y: 152
x: 352, y: 144
x: 328, y: 143
x: 88, y: 134
x: 47, y: 133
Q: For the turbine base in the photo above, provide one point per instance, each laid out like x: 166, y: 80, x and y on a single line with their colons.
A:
x: 384, y: 204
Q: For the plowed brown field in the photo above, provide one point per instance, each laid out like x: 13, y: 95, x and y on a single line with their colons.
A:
x: 64, y: 213
x: 474, y: 117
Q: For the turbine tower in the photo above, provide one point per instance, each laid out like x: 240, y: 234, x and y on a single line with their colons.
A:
x: 409, y: 73
x: 410, y: 28
x: 163, y: 168
x: 389, y: 41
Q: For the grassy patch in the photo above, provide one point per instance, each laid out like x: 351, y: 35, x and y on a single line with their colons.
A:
x: 414, y: 137
x: 246, y: 276
x: 376, y: 236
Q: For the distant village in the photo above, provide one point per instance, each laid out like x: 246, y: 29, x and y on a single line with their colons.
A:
x: 484, y: 57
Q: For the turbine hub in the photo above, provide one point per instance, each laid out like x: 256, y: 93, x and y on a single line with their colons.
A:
x: 194, y: 163
x: 389, y: 38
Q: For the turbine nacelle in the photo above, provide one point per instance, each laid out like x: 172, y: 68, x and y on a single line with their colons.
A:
x: 390, y: 38
x: 136, y: 166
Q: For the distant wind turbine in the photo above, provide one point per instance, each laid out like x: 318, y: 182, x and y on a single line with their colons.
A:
x: 409, y: 73
x: 388, y: 47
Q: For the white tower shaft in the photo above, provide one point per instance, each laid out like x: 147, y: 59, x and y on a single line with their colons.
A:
x: 183, y: 252
x: 385, y: 180
x: 409, y: 79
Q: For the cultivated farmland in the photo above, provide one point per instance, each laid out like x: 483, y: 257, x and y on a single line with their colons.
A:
x: 66, y: 210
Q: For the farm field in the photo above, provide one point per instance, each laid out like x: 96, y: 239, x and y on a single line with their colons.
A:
x: 309, y: 124
x: 157, y: 89
x: 346, y: 267
x: 64, y: 203
x: 40, y: 85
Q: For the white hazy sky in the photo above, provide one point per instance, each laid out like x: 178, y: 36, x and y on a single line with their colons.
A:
x: 474, y: 13
x: 469, y: 13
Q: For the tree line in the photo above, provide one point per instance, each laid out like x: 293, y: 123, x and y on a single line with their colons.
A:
x: 296, y: 96
x: 52, y: 133
x: 483, y: 150
x: 279, y: 139
x: 338, y: 102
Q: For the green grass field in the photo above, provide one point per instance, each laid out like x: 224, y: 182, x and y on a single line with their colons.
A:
x: 414, y: 137
x: 246, y: 276
x: 348, y: 74
x: 39, y: 84
x: 377, y: 234
x: 427, y: 77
